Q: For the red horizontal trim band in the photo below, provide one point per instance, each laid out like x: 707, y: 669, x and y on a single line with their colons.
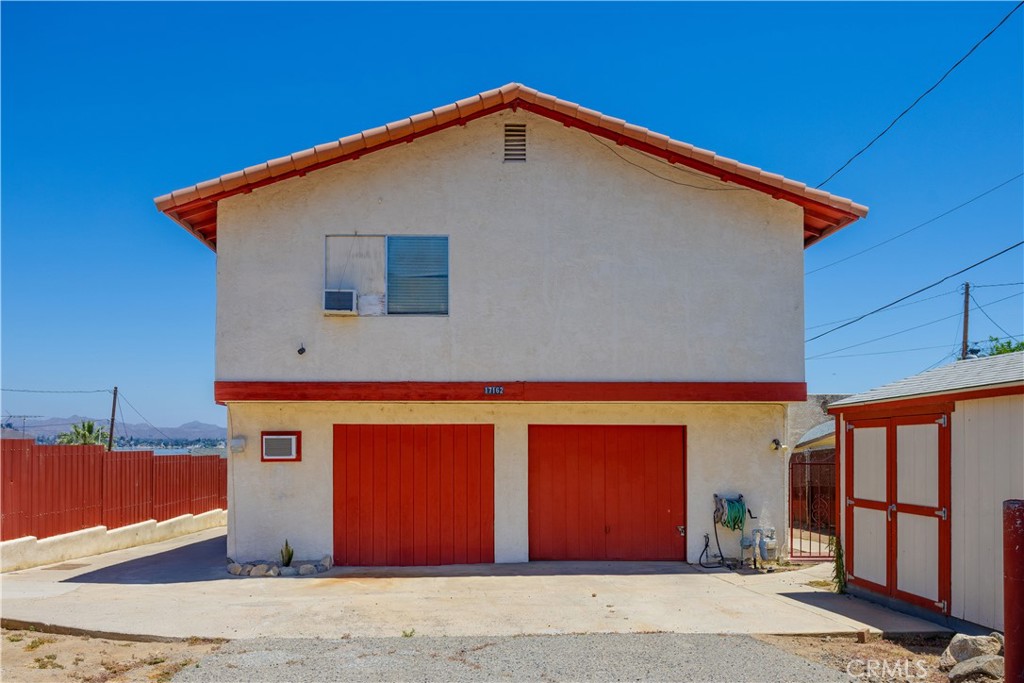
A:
x: 943, y: 402
x: 545, y: 392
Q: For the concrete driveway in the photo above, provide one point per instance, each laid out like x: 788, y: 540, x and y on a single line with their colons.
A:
x: 180, y: 588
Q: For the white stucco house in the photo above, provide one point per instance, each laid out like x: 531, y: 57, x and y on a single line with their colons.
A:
x: 506, y: 329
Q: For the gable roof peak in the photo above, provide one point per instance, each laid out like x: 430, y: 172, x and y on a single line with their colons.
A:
x: 195, y: 207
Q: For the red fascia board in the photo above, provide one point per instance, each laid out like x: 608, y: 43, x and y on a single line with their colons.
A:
x: 944, y: 402
x: 541, y: 392
x: 836, y: 217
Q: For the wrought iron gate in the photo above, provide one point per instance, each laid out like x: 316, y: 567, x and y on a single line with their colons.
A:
x: 812, y: 507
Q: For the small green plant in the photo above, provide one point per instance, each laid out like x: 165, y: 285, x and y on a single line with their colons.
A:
x: 287, y: 553
x: 409, y: 634
x: 48, y: 662
x: 16, y: 638
x: 838, y: 564
x: 35, y: 643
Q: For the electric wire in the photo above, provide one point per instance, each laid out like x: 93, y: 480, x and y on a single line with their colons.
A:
x: 985, y: 313
x: 122, y: 396
x: 915, y: 327
x: 1004, y: 284
x: 124, y: 424
x: 952, y: 354
x: 58, y: 391
x: 675, y: 166
x: 911, y: 303
x: 101, y: 421
x: 921, y: 96
x: 904, y: 298
x: 916, y: 227
x: 901, y: 350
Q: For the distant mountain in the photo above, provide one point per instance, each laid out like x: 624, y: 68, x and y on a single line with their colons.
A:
x: 52, y: 426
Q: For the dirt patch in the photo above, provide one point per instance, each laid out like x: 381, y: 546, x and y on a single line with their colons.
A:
x: 882, y: 660
x: 31, y: 657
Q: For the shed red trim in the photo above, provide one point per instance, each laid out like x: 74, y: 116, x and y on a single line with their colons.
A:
x: 503, y: 392
x: 195, y: 207
x: 922, y: 404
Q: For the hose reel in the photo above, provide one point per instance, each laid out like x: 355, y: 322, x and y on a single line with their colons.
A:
x: 732, y: 514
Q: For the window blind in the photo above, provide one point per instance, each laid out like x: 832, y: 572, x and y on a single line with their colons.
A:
x: 417, y: 275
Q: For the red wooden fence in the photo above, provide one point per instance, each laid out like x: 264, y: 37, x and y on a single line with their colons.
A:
x: 50, y: 490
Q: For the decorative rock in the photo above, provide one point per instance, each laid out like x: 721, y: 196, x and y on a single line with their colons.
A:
x: 289, y: 571
x: 259, y: 570
x: 1002, y: 643
x: 234, y: 568
x: 327, y: 562
x: 320, y: 568
x: 306, y: 570
x: 964, y: 647
x: 273, y: 571
x: 246, y: 568
x: 947, y: 661
x: 985, y: 667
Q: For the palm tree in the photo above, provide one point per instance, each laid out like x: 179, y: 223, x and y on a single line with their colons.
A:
x: 85, y: 432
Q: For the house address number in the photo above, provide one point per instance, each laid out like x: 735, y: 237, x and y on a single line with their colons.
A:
x: 494, y: 391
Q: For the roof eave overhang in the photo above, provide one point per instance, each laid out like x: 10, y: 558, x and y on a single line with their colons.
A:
x: 195, y: 208
x: 948, y: 396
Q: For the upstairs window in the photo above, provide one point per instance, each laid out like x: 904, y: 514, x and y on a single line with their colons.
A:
x: 417, y: 275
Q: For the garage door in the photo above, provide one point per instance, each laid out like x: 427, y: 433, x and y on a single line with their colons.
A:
x: 413, y: 494
x: 606, y: 492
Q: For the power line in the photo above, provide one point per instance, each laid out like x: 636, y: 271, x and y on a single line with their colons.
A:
x: 921, y: 225
x: 59, y: 391
x: 915, y: 327
x: 951, y: 354
x: 911, y: 303
x: 46, y: 425
x: 124, y: 423
x: 985, y: 313
x: 881, y: 353
x: 668, y: 180
x: 125, y: 399
x: 921, y: 96
x: 1005, y: 284
x: 892, y: 351
x: 904, y: 298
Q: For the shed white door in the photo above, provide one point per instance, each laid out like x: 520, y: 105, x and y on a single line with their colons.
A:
x: 898, y: 471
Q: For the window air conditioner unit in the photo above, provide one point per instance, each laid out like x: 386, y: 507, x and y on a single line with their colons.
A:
x: 340, y: 302
x: 282, y: 446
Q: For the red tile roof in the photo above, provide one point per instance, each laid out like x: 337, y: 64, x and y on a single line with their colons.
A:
x: 195, y: 207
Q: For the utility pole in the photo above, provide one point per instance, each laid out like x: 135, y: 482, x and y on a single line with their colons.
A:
x: 113, y: 411
x: 967, y: 313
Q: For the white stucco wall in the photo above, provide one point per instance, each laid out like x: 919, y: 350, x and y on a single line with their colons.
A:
x: 727, y: 453
x: 987, y: 468
x: 572, y: 266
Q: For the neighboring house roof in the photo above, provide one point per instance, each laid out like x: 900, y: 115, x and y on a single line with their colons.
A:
x: 964, y: 375
x: 195, y: 207
x: 822, y: 435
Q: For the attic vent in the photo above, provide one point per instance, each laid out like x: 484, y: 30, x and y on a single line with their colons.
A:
x: 515, y: 142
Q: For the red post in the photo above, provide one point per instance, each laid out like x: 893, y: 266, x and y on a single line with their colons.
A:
x: 1013, y: 589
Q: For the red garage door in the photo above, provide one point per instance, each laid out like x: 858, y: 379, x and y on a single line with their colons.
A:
x: 413, y: 494
x: 607, y: 493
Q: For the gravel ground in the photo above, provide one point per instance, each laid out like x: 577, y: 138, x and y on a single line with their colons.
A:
x: 593, y: 657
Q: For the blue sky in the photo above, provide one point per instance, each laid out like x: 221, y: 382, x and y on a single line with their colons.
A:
x: 105, y: 106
